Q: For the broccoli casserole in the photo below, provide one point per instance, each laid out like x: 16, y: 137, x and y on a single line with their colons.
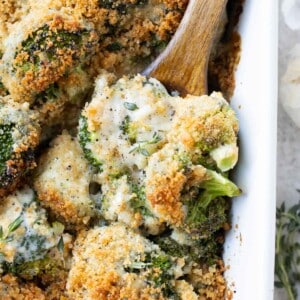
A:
x: 111, y: 186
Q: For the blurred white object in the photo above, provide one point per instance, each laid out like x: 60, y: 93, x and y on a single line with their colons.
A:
x: 291, y: 13
x: 290, y: 86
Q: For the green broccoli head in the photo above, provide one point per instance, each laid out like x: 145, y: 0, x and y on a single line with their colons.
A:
x: 138, y: 201
x: 187, y: 196
x: 195, y: 251
x: 47, y: 50
x: 207, y: 205
x: 207, y: 128
x: 127, y: 254
x: 57, y: 49
x: 40, y: 268
x: 158, y: 268
x: 19, y: 136
x: 85, y: 137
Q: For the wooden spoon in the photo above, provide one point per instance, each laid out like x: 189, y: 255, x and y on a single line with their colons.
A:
x: 183, y: 64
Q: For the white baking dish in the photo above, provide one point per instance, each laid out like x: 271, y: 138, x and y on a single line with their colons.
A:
x: 249, y: 247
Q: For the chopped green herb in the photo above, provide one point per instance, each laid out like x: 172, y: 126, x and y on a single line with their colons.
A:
x: 130, y: 106
x: 15, y: 224
x: 140, y: 148
x: 11, y: 228
x: 60, y: 245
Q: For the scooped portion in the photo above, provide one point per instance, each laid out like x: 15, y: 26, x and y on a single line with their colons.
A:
x: 163, y: 160
x: 141, y: 111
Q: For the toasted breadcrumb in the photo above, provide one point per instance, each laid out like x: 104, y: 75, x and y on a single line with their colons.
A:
x: 98, y: 269
x: 62, y: 181
x: 131, y: 33
x: 12, y: 288
x: 209, y: 281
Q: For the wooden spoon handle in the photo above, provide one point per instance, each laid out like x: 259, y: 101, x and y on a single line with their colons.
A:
x: 183, y: 64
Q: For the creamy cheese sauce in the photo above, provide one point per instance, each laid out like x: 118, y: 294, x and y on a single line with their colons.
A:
x: 34, y: 236
x: 130, y: 121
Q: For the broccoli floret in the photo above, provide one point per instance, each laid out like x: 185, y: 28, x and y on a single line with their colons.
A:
x: 28, y: 237
x: 123, y: 199
x: 45, y: 53
x: 207, y: 209
x: 205, y: 220
x: 52, y: 48
x: 19, y: 136
x: 85, y: 137
x: 185, y: 195
x: 196, y: 251
x: 32, y: 269
x: 130, y: 257
x: 158, y: 267
x: 138, y: 201
x: 69, y: 197
x: 216, y: 185
x: 207, y: 128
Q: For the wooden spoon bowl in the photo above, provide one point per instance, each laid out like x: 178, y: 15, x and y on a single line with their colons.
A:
x: 183, y: 64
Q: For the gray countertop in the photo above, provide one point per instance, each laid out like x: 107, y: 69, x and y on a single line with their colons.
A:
x: 288, y: 159
x: 288, y: 167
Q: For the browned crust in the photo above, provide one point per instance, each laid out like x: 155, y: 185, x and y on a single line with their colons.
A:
x: 104, y: 283
x: 13, y: 289
x: 50, y: 198
x: 38, y: 81
x: 222, y: 68
x: 210, y: 281
x: 164, y: 196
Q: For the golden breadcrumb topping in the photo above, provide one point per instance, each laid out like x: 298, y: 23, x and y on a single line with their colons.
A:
x: 142, y: 152
x: 11, y: 288
x: 62, y: 181
x: 99, y: 263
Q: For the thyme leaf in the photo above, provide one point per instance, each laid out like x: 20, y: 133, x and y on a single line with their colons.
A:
x: 130, y: 106
x: 60, y: 245
x: 15, y: 224
x: 140, y: 148
x: 11, y: 228
x: 287, y: 249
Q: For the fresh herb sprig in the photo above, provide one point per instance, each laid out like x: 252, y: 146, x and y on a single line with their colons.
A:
x: 140, y: 148
x: 11, y: 228
x: 287, y: 249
